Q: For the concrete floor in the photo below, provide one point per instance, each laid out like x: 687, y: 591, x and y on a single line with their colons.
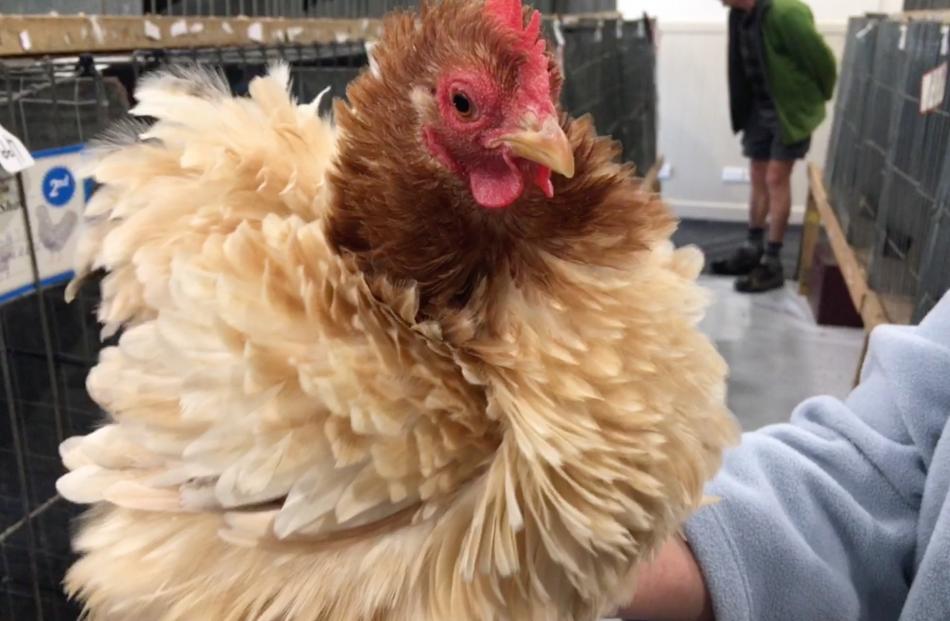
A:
x: 778, y: 356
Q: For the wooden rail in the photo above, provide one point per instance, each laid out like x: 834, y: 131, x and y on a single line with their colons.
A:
x: 935, y: 15
x: 28, y: 35
x: 34, y: 35
x: 819, y: 212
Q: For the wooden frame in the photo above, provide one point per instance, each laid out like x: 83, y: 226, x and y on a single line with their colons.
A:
x: 34, y: 35
x: 28, y: 35
x: 818, y: 212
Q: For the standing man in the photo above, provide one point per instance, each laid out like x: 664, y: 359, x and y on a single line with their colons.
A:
x: 781, y: 73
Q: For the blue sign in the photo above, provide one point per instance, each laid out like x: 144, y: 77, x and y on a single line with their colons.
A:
x: 59, y: 185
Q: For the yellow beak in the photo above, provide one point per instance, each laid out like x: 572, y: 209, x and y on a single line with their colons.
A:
x: 547, y: 146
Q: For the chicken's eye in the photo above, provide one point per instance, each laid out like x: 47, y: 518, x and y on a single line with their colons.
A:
x: 463, y: 105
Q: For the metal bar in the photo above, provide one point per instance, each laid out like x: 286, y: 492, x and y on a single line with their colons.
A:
x: 44, y: 318
x: 18, y: 452
x: 51, y: 74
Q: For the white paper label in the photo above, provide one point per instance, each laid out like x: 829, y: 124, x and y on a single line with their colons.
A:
x: 152, y: 31
x: 945, y: 41
x: 225, y: 26
x: 255, y: 32
x: 178, y: 28
x: 96, y: 29
x: 14, y: 157
x: 933, y: 89
x: 902, y: 44
x: 25, y: 42
x: 558, y: 33
x: 599, y: 32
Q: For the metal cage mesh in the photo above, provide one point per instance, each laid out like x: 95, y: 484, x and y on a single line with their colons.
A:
x: 887, y: 160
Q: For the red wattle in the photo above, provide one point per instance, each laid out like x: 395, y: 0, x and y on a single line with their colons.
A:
x: 496, y: 183
x: 542, y: 179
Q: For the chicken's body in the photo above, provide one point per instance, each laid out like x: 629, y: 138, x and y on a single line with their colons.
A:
x: 309, y: 422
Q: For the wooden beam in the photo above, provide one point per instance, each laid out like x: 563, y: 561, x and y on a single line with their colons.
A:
x: 35, y: 35
x: 811, y: 233
x: 28, y: 35
x: 934, y: 15
x: 865, y: 299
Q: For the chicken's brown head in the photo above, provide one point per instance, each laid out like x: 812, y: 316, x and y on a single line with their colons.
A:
x: 455, y: 162
x: 491, y: 119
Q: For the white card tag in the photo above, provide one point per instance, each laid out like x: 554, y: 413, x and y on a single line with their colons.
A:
x: 945, y: 41
x: 14, y: 157
x: 933, y: 89
x: 558, y: 33
x: 865, y: 31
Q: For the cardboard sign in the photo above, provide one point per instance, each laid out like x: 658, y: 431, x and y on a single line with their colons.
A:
x: 933, y: 89
x: 16, y: 273
x: 55, y: 199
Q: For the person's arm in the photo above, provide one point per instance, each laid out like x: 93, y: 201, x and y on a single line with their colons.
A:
x: 795, y: 27
x: 671, y: 588
x: 818, y: 517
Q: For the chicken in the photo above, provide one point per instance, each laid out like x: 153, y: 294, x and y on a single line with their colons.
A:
x: 438, y: 361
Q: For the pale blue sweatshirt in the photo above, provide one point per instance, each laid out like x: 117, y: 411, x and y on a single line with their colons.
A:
x: 843, y: 514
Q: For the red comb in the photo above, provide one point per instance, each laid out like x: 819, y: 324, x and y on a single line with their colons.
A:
x: 510, y: 14
x: 507, y: 12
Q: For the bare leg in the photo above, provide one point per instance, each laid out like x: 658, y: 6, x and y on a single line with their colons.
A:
x: 778, y: 180
x: 759, y: 201
x: 744, y: 258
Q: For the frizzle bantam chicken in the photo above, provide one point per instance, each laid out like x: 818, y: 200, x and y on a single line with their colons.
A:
x: 438, y: 362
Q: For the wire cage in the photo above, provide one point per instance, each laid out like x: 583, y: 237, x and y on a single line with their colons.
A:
x: 924, y: 5
x: 918, y: 147
x: 610, y: 69
x: 887, y: 166
x: 352, y: 9
x: 47, y: 347
x: 852, y: 116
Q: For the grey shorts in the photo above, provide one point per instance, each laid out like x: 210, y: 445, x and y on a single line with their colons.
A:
x: 762, y: 140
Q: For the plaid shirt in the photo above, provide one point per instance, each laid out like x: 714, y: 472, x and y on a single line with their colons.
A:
x: 753, y: 63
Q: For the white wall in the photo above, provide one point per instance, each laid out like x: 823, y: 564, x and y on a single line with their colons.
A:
x: 695, y: 134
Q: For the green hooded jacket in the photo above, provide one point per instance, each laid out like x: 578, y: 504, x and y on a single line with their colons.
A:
x: 800, y: 68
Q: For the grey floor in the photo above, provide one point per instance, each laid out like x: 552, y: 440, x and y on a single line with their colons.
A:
x: 778, y: 355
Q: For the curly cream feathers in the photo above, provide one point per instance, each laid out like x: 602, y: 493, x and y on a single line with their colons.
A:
x: 289, y: 438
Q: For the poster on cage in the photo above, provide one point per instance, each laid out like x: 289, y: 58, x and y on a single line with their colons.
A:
x: 55, y: 197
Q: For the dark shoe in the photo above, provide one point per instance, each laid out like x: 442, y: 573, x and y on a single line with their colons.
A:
x: 743, y: 260
x: 766, y: 276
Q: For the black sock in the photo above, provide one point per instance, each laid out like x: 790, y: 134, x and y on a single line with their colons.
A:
x: 756, y: 236
x: 774, y: 252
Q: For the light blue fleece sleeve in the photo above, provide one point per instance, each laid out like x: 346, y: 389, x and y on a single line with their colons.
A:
x: 818, y: 518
